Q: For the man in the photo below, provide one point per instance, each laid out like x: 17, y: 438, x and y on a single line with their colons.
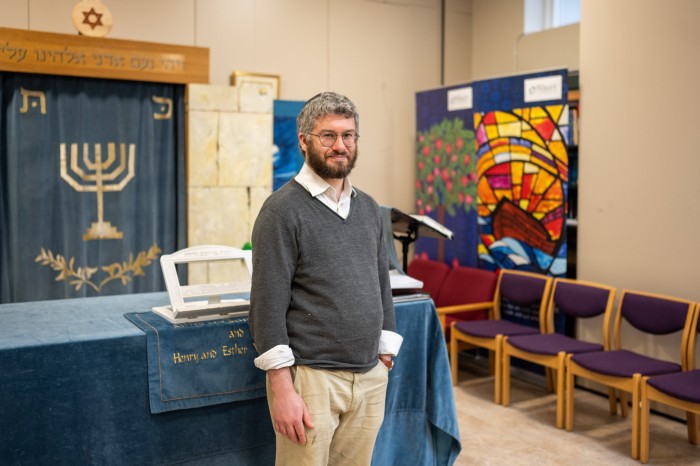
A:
x: 321, y: 311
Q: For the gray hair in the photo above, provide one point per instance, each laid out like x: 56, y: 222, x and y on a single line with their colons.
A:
x: 325, y: 103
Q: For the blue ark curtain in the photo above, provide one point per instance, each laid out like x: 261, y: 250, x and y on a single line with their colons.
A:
x: 92, y: 188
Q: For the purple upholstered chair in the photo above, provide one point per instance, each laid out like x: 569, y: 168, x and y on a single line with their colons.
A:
x: 576, y: 299
x: 680, y: 390
x: 521, y: 292
x: 650, y: 314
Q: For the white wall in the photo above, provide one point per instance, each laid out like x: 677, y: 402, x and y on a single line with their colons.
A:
x: 496, y: 26
x: 553, y: 48
x: 500, y: 48
x: 458, y: 41
x: 639, y: 162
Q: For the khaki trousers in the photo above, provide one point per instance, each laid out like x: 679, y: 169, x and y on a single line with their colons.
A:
x: 347, y: 410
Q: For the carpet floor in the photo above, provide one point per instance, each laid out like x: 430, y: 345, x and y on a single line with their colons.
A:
x: 524, y: 433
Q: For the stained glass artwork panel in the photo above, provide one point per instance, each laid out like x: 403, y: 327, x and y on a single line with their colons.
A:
x: 523, y: 178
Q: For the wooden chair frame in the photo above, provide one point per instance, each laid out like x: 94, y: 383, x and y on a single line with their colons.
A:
x: 648, y: 394
x: 554, y: 363
x: 623, y: 384
x: 444, y: 311
x: 487, y: 306
x: 459, y: 340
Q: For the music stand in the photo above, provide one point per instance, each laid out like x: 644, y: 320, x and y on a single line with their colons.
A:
x: 410, y: 226
x: 184, y: 303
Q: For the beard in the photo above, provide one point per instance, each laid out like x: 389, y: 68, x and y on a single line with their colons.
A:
x: 327, y: 169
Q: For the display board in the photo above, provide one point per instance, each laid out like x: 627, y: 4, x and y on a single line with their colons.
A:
x: 492, y: 165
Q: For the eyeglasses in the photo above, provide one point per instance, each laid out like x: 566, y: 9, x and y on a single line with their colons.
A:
x: 328, y: 139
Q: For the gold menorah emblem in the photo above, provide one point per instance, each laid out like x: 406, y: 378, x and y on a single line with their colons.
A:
x: 99, y: 180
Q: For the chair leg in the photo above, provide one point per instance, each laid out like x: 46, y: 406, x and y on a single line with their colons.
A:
x: 498, y: 370
x: 492, y: 364
x: 505, y: 389
x: 569, y: 393
x: 612, y: 399
x: 643, y: 423
x: 693, y: 434
x: 549, y: 379
x: 454, y: 356
x: 623, y: 403
x: 561, y: 391
x: 636, y: 384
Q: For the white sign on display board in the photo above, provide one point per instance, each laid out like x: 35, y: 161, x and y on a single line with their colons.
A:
x: 460, y: 99
x: 544, y: 88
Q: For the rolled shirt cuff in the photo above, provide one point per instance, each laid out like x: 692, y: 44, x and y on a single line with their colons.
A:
x: 275, y: 358
x: 390, y: 342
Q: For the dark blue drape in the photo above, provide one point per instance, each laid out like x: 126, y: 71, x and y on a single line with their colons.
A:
x: 92, y: 187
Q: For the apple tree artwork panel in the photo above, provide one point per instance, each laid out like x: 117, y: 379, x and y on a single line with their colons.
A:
x: 446, y: 187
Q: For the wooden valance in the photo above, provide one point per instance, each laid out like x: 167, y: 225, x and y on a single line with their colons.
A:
x: 75, y: 55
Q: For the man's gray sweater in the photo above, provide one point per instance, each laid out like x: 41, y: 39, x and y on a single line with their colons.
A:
x: 320, y: 282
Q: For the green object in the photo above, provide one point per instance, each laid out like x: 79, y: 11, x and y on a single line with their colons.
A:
x: 248, y: 246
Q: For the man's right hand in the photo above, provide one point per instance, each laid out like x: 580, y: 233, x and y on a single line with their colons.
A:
x: 288, y: 410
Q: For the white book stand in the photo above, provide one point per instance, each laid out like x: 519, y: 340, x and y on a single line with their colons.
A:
x: 184, y: 306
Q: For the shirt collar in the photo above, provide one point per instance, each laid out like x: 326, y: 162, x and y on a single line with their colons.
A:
x: 316, y: 185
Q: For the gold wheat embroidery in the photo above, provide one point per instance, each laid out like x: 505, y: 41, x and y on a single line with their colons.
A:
x: 123, y: 271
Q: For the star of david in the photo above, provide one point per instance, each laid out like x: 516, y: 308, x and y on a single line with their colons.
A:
x: 92, y: 18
